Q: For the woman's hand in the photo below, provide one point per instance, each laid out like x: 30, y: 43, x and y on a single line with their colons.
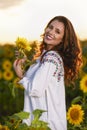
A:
x: 18, y: 63
x: 18, y: 67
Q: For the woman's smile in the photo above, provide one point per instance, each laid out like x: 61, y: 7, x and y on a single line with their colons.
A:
x: 49, y: 37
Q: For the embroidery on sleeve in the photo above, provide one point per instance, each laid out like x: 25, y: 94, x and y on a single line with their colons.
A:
x: 52, y: 57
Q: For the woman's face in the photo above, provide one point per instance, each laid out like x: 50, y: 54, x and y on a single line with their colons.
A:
x: 54, y: 34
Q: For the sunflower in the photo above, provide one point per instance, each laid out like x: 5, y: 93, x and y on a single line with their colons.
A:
x: 4, y: 127
x: 22, y: 44
x: 83, y: 84
x: 7, y: 65
x: 16, y: 84
x: 8, y: 75
x: 75, y: 114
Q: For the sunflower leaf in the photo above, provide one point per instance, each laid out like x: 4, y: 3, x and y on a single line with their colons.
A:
x: 76, y: 100
x: 22, y: 115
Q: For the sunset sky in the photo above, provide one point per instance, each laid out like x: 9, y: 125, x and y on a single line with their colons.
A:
x: 28, y: 18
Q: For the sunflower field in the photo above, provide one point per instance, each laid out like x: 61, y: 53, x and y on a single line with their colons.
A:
x: 76, y: 97
x: 12, y: 94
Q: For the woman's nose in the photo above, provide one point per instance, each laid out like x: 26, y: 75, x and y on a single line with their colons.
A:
x: 52, y: 31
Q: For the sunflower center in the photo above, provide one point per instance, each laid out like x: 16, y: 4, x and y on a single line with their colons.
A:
x: 74, y: 114
x: 8, y: 74
x: 7, y: 65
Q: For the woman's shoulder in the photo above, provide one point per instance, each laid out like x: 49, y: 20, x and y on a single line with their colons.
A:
x: 53, y: 54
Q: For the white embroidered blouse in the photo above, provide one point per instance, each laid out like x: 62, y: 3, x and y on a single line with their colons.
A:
x: 44, y: 89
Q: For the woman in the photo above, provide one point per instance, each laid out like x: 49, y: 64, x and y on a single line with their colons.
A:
x: 58, y: 64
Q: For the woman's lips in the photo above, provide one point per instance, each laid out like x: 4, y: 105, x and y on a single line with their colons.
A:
x: 49, y: 37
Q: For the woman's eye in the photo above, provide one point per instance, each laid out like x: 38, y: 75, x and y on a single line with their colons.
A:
x: 50, y: 27
x: 57, y: 31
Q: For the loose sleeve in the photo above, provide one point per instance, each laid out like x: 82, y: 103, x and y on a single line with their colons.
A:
x: 50, y: 67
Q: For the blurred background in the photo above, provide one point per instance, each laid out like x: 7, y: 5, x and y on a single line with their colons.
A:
x: 27, y: 19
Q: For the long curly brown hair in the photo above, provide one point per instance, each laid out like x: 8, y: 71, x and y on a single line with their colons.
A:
x: 69, y: 49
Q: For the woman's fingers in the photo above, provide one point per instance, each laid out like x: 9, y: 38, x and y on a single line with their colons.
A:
x: 17, y: 63
x: 18, y: 67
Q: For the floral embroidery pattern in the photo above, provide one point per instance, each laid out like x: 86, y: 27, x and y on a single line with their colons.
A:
x: 52, y: 57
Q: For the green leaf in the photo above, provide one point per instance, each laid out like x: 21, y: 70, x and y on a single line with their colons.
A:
x: 76, y: 100
x: 22, y: 126
x: 36, y: 122
x: 22, y: 115
x: 12, y: 89
x: 37, y: 113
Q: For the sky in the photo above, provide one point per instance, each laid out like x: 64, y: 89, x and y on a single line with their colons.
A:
x: 28, y: 18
